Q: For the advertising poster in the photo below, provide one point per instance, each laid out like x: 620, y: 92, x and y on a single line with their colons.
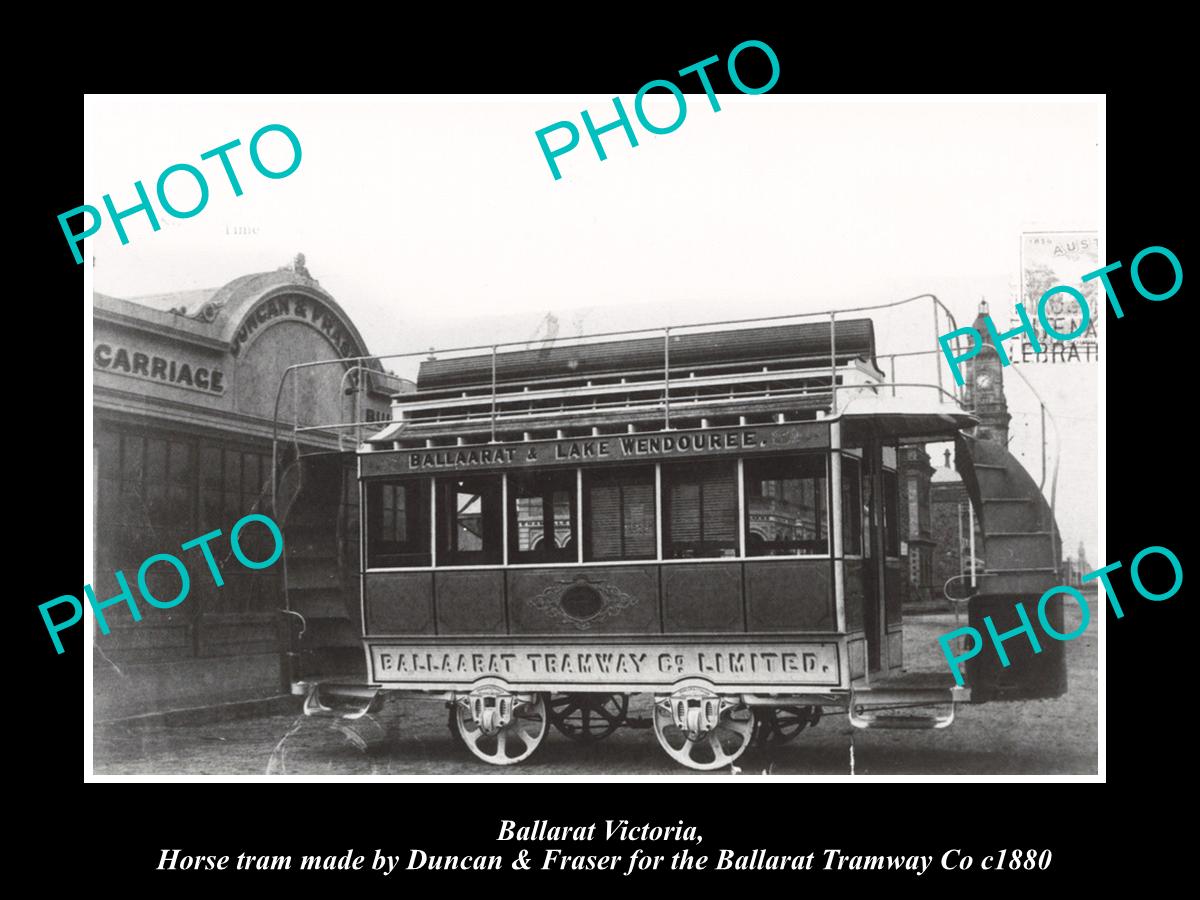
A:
x: 1049, y: 259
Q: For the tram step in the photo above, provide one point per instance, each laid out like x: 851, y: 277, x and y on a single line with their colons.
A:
x: 309, y: 544
x: 912, y: 689
x: 323, y: 634
x: 993, y: 480
x: 1012, y: 514
x: 344, y: 663
x: 867, y: 720
x: 319, y: 602
x: 307, y: 576
x: 1006, y: 551
x: 915, y: 693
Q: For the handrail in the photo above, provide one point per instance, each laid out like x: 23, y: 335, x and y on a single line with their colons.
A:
x: 957, y: 602
x: 375, y: 357
x: 945, y: 588
x: 1057, y: 434
x: 833, y: 360
x: 493, y: 393
x: 341, y: 389
x: 895, y: 384
x: 667, y: 378
x: 1057, y: 450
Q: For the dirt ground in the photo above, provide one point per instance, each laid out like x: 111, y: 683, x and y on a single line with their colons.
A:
x: 1046, y: 737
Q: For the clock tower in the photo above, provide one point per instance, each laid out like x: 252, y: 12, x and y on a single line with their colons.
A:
x: 984, y: 387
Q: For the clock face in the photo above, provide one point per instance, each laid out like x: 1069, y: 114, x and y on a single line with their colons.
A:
x: 984, y: 381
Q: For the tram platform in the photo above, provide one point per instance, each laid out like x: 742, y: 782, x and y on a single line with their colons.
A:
x: 907, y: 700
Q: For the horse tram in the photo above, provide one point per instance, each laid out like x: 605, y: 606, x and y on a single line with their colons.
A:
x: 708, y: 515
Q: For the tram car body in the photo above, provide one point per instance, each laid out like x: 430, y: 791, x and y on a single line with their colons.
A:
x: 708, y: 517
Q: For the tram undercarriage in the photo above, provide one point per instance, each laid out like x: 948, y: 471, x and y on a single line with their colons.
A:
x: 694, y: 724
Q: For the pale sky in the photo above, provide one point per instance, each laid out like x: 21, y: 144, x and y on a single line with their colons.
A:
x: 436, y: 221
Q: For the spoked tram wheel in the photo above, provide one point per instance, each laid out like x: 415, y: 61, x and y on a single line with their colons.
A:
x: 588, y: 718
x: 511, y: 743
x: 776, y: 725
x: 716, y: 748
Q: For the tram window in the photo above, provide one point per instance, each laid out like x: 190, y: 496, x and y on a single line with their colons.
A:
x: 785, y: 506
x: 700, y: 506
x: 891, y: 522
x: 469, y: 521
x: 620, y: 514
x: 398, y: 523
x: 542, y: 517
x: 852, y: 506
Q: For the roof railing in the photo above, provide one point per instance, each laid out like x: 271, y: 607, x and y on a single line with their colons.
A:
x: 942, y: 394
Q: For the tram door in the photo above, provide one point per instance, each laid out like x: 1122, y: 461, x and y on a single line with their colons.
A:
x: 873, y: 555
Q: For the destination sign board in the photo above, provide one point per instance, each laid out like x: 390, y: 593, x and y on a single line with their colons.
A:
x: 667, y: 445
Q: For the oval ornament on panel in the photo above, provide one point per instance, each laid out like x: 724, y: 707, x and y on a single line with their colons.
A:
x: 582, y: 602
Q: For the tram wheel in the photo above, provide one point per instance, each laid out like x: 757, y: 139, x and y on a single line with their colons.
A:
x: 776, y: 725
x: 512, y: 743
x: 719, y: 747
x: 588, y: 718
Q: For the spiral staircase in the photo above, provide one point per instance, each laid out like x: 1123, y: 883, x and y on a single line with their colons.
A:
x: 316, y: 505
x: 1022, y: 547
